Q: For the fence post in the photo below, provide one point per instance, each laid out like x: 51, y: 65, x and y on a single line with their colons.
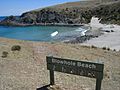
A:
x: 52, y: 82
x: 98, y: 84
x: 51, y: 71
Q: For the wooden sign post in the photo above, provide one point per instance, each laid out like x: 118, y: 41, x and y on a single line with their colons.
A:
x: 82, y: 68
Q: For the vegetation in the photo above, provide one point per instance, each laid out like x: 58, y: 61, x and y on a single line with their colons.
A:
x: 93, y: 46
x: 104, y: 48
x: 108, y: 49
x: 16, y: 48
x: 114, y: 50
x: 4, y: 54
x: 71, y: 13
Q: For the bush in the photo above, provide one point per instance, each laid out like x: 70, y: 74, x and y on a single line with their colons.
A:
x: 108, y: 49
x: 114, y: 50
x: 93, y: 46
x: 4, y: 54
x: 112, y: 31
x: 104, y: 48
x: 16, y: 48
x: 85, y: 46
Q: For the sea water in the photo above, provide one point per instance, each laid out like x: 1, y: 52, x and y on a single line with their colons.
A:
x: 40, y: 33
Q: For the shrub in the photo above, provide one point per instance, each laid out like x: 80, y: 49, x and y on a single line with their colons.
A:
x: 93, y: 46
x: 16, y: 48
x: 114, y: 50
x: 104, y: 48
x: 4, y: 54
x: 85, y: 46
x: 112, y: 31
x: 108, y: 49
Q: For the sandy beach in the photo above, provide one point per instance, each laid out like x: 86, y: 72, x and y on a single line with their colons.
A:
x: 108, y: 39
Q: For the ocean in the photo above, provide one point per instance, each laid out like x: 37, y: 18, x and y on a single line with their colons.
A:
x: 40, y: 33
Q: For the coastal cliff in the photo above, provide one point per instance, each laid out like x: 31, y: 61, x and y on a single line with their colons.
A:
x: 80, y: 12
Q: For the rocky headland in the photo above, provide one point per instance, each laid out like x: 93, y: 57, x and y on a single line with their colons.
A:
x: 73, y: 13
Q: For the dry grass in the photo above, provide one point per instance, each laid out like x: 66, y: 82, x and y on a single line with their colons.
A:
x: 26, y: 69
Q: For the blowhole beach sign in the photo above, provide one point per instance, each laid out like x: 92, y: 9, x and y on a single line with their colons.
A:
x: 75, y: 67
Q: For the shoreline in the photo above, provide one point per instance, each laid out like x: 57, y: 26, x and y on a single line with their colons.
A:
x: 109, y: 39
x: 32, y: 58
x: 100, y: 35
x: 88, y: 36
x: 30, y: 62
x: 40, y: 24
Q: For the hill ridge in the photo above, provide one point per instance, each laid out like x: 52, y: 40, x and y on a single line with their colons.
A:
x: 79, y: 12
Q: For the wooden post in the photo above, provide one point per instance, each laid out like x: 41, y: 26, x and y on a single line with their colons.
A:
x: 51, y: 71
x: 52, y: 82
x: 98, y: 84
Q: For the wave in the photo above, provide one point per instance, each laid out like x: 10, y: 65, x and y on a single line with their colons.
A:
x: 79, y: 29
x: 54, y: 33
x: 83, y: 31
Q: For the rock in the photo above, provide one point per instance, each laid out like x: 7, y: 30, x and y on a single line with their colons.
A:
x: 81, y: 39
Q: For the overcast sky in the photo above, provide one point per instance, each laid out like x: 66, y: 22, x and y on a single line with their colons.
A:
x: 17, y: 7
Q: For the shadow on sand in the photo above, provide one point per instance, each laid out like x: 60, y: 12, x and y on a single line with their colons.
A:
x: 43, y: 88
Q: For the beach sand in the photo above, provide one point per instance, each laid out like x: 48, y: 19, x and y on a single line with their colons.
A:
x: 108, y: 39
